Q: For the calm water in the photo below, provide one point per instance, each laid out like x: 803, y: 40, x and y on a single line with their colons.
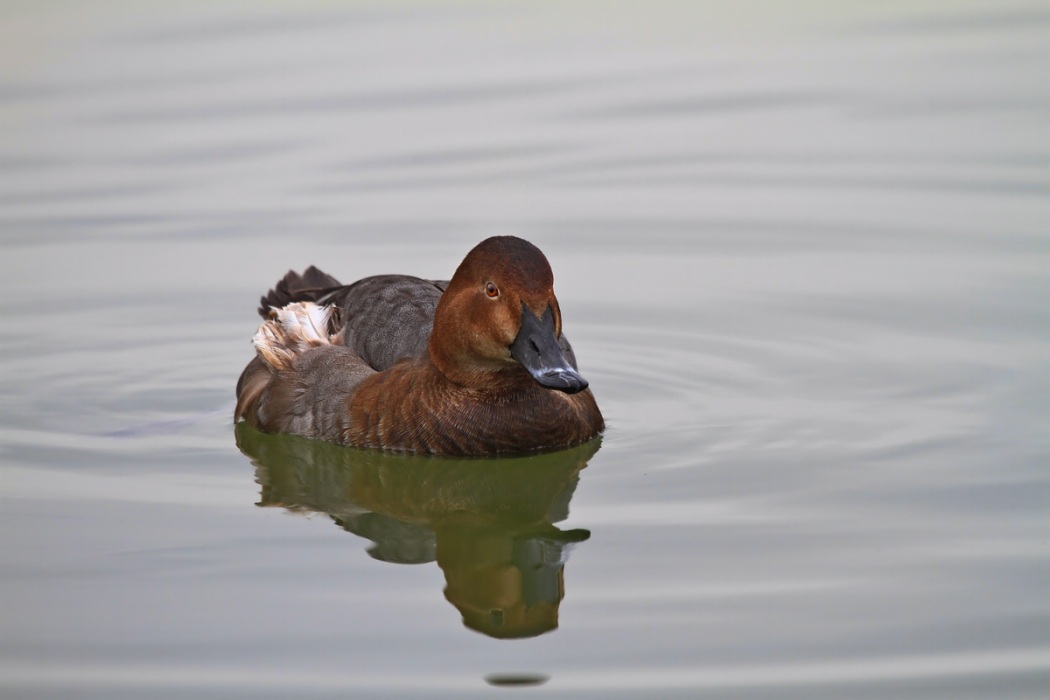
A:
x: 804, y: 258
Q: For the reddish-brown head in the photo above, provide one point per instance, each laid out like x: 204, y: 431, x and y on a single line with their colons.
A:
x: 499, y: 316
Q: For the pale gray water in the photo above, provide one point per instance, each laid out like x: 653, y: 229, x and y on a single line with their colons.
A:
x: 802, y: 252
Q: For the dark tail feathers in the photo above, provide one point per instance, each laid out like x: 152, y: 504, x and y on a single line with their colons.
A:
x: 308, y: 286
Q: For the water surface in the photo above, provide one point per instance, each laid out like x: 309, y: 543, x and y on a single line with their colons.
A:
x: 802, y: 255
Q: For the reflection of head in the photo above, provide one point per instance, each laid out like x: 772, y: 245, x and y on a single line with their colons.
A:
x: 487, y: 522
x: 504, y: 585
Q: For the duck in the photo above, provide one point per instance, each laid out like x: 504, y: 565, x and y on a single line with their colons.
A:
x: 473, y: 366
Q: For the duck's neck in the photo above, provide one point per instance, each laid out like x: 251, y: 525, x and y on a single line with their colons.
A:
x: 496, y: 379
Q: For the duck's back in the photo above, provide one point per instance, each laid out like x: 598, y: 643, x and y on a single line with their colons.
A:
x: 383, y: 319
x: 387, y: 318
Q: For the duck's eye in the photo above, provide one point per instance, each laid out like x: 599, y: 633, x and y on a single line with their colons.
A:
x: 492, y: 290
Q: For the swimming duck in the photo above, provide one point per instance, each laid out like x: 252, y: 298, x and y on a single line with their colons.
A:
x: 473, y: 366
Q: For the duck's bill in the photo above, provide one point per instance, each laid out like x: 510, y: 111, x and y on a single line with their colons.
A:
x: 537, y: 349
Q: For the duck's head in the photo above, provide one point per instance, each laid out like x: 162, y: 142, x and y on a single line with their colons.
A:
x: 499, y: 318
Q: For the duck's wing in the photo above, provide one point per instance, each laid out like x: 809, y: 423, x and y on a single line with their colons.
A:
x: 386, y: 318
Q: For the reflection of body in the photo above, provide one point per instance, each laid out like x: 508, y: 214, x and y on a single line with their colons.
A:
x: 474, y: 366
x: 488, y: 523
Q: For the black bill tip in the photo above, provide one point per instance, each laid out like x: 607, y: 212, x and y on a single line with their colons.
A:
x: 568, y: 381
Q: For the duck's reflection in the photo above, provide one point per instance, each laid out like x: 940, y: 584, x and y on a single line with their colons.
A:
x: 489, y: 524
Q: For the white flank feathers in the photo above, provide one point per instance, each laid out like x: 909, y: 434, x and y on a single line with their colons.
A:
x: 291, y: 331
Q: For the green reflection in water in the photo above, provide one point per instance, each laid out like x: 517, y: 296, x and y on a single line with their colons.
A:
x: 489, y: 523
